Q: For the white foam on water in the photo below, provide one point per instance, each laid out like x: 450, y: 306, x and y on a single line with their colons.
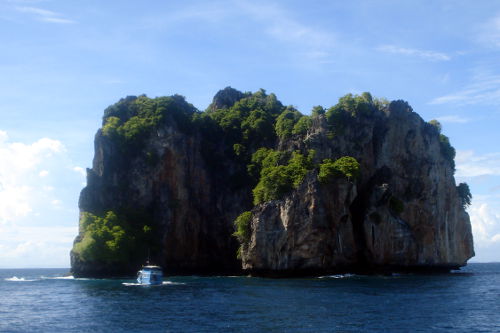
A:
x: 69, y: 277
x: 16, y: 279
x: 336, y: 276
x: 172, y: 283
x: 141, y: 285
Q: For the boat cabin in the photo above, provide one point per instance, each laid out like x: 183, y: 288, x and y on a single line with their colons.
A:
x: 150, y: 275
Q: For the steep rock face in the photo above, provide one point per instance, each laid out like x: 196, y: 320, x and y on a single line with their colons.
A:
x: 310, y: 230
x: 404, y: 213
x: 192, y: 206
x: 190, y: 182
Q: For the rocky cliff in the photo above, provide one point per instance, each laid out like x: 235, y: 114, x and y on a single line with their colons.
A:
x: 170, y: 180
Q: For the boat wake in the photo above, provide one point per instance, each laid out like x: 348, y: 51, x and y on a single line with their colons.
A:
x: 164, y: 283
x: 172, y: 283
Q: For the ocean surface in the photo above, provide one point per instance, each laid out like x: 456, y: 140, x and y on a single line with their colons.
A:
x: 45, y: 300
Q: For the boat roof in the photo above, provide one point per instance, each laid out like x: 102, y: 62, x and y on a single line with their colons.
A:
x: 151, y: 267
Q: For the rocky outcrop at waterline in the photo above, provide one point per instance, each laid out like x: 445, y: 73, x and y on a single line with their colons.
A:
x: 170, y: 180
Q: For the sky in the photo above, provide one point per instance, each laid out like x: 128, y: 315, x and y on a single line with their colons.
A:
x: 63, y: 62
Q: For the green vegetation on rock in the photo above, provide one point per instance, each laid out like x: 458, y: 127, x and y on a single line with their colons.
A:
x: 317, y: 110
x: 436, y: 124
x: 278, y: 179
x: 243, y: 231
x: 464, y: 194
x: 302, y: 125
x: 351, y: 106
x: 132, y: 119
x: 242, y: 225
x: 111, y: 239
x: 447, y: 150
x: 286, y: 121
x: 251, y: 119
x: 354, y: 105
x: 343, y: 167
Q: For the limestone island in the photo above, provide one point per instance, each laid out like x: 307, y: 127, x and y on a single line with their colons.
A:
x: 251, y: 186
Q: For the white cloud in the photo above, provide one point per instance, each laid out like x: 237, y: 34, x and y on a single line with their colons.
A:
x: 80, y: 170
x: 423, y: 54
x: 14, y: 202
x: 484, y: 89
x: 213, y: 12
x: 32, y: 234
x: 453, y: 119
x: 18, y: 174
x: 489, y: 34
x: 3, y: 136
x: 280, y: 25
x: 37, y: 11
x: 273, y: 20
x: 36, y: 246
x: 469, y: 164
x: 45, y: 15
x: 481, y: 169
x: 485, y: 220
x: 56, y: 203
x: 56, y: 20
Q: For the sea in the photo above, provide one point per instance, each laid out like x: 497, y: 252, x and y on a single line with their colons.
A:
x: 48, y: 300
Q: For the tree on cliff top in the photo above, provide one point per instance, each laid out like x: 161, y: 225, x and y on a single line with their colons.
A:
x: 436, y: 124
x: 286, y: 122
x: 132, y: 119
x: 464, y: 194
x: 250, y: 119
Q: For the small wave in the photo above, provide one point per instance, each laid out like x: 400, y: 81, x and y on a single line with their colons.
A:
x: 336, y: 276
x: 16, y: 279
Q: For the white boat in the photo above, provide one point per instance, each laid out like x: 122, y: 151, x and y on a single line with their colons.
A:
x: 150, y: 275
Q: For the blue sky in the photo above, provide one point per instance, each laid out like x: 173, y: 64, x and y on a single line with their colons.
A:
x: 63, y: 62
